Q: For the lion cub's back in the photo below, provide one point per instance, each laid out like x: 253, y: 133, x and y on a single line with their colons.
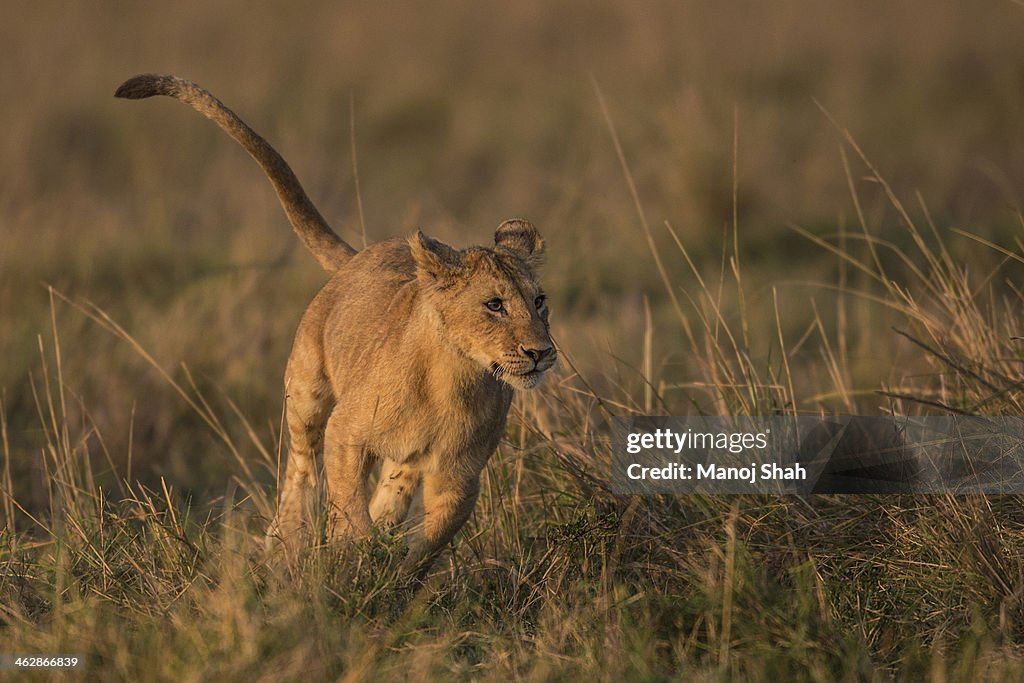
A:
x: 367, y: 305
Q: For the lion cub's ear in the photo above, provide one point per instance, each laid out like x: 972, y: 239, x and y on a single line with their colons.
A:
x: 435, y: 260
x: 522, y: 239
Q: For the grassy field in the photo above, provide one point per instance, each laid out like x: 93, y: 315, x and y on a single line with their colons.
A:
x: 750, y: 209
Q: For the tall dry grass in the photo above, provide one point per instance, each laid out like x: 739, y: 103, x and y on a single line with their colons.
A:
x: 718, y: 245
x: 555, y: 577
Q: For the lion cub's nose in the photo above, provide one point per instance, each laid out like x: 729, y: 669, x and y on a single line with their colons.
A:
x: 537, y: 355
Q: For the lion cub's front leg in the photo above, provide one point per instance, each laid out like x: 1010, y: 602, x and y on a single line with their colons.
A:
x: 347, y: 467
x: 396, y: 487
x: 448, y: 501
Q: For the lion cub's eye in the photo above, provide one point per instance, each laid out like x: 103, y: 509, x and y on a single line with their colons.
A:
x: 496, y: 305
x: 540, y: 301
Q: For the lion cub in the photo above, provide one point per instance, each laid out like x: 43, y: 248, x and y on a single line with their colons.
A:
x: 406, y: 357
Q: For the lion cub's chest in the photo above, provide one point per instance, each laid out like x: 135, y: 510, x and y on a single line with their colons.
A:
x: 435, y: 430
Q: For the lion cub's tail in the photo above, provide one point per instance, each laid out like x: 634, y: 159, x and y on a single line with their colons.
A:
x: 329, y: 249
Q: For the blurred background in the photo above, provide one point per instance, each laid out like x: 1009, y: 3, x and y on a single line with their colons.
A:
x: 460, y: 115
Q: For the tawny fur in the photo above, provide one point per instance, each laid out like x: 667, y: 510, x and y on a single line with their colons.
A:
x: 407, y: 357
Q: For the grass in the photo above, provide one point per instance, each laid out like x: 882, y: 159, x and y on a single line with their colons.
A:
x: 554, y: 577
x: 719, y: 245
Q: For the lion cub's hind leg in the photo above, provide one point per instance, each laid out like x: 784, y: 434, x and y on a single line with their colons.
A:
x: 389, y: 506
x: 306, y: 415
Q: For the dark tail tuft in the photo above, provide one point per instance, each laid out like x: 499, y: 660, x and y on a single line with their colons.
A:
x: 145, y: 85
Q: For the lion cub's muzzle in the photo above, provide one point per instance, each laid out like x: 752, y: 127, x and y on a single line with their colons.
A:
x: 543, y: 358
x: 526, y: 368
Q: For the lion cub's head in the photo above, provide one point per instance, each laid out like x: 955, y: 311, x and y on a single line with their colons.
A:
x: 490, y: 302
